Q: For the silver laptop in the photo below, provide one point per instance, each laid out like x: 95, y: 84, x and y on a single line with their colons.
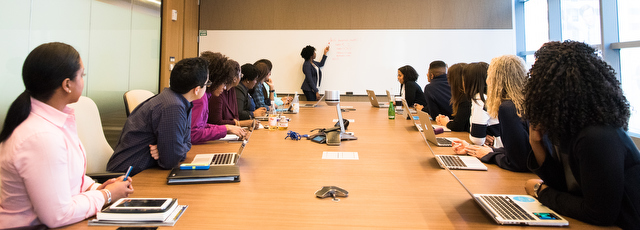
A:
x: 451, y: 161
x: 516, y: 209
x: 312, y: 105
x: 374, y: 100
x: 429, y: 134
x: 405, y: 108
x: 221, y: 159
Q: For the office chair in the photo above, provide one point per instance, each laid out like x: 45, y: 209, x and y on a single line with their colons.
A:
x: 92, y: 137
x: 133, y: 98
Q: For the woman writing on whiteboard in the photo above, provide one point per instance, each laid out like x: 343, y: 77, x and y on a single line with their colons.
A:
x: 42, y: 160
x: 312, y: 73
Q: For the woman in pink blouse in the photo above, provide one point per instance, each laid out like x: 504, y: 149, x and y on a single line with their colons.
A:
x: 41, y: 158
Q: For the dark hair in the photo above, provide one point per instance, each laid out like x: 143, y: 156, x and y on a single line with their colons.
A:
x: 410, y: 74
x: 43, y: 72
x: 222, y: 70
x: 307, y: 52
x: 265, y: 61
x: 187, y: 74
x: 455, y: 82
x: 437, y: 64
x: 571, y: 88
x: 474, y: 78
x: 263, y: 71
x: 249, y: 72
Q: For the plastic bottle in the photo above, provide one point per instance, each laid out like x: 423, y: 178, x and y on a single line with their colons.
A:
x: 392, y: 110
x: 273, y: 118
x: 283, y: 123
x: 295, y: 104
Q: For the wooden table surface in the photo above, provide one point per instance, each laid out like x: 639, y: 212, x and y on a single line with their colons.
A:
x: 395, y: 184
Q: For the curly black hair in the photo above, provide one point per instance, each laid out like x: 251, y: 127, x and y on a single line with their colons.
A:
x: 222, y: 70
x: 571, y: 88
x: 307, y: 52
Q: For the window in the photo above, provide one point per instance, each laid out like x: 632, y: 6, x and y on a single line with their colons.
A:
x: 629, y: 20
x: 536, y: 22
x: 581, y: 21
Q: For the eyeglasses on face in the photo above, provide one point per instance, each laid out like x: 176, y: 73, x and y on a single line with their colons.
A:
x: 208, y: 83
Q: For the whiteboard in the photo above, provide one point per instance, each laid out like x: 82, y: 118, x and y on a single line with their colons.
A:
x: 358, y: 59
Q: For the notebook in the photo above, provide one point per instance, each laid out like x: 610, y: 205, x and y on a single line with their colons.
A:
x: 515, y: 209
x: 405, y: 107
x: 374, y: 100
x: 312, y: 105
x: 428, y: 133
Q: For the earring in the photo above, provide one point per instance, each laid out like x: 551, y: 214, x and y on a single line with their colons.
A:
x: 69, y: 91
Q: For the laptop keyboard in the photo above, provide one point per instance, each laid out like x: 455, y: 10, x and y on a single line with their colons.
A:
x: 443, y: 142
x: 222, y: 159
x: 453, y: 161
x: 506, y: 208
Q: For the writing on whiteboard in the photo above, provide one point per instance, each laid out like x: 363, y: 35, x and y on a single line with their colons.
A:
x: 343, y: 47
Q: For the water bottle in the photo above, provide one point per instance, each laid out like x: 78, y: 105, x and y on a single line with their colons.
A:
x: 273, y: 118
x: 392, y: 110
x: 295, y: 104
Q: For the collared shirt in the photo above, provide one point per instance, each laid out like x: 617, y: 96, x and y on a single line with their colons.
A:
x: 201, y: 131
x: 163, y: 120
x: 43, y: 172
x: 259, y: 96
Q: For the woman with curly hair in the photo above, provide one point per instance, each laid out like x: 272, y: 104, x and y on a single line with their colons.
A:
x: 590, y: 168
x: 505, y: 80
x: 460, y: 103
x: 201, y: 131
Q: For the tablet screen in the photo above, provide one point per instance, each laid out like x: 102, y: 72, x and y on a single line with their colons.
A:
x: 133, y: 203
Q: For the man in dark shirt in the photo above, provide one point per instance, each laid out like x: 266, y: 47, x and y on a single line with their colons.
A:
x: 438, y: 92
x: 157, y: 133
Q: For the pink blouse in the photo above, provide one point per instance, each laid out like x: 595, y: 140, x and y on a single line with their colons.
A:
x: 43, y: 172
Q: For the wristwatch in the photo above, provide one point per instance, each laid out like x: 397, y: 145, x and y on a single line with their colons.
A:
x: 536, y: 189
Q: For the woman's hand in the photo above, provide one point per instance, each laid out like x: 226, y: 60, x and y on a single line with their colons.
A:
x: 326, y: 50
x: 489, y: 140
x: 260, y: 112
x: 418, y: 107
x: 459, y: 147
x: 270, y: 84
x: 478, y: 151
x: 153, y: 149
x: 237, y: 130
x: 442, y: 120
x: 528, y: 186
x: 120, y: 189
x: 317, y: 95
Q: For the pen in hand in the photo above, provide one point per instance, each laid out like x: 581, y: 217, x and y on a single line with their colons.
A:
x: 126, y: 176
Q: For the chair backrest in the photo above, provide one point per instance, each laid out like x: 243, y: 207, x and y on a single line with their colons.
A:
x: 91, y: 135
x: 133, y: 98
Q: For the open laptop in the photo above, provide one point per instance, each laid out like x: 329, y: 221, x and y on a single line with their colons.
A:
x: 221, y: 159
x: 515, y: 209
x: 374, y: 100
x: 408, y: 110
x: 312, y: 105
x: 429, y: 134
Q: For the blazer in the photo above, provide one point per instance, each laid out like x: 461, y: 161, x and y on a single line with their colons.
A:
x: 413, y: 94
x: 311, y: 77
x: 244, y: 105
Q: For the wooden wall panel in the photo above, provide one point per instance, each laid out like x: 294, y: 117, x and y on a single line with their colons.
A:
x: 172, y: 35
x: 190, y: 36
x: 355, y: 14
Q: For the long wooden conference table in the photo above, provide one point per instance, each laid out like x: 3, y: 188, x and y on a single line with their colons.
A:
x: 395, y: 184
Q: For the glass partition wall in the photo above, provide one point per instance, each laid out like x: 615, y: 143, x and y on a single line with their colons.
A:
x: 118, y: 41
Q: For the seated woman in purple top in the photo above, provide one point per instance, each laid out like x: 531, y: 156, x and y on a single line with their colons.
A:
x: 223, y: 108
x: 201, y: 131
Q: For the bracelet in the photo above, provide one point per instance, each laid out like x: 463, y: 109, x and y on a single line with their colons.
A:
x: 272, y: 91
x: 106, y: 191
